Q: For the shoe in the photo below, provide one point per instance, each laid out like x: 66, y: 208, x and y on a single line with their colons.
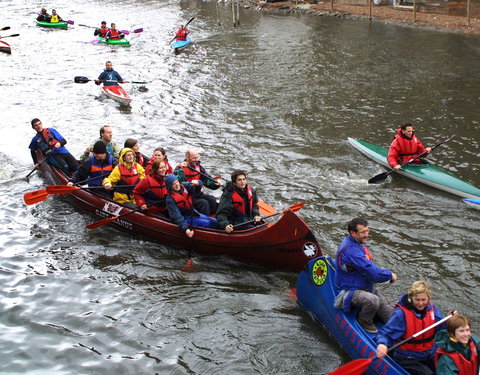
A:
x: 368, y: 326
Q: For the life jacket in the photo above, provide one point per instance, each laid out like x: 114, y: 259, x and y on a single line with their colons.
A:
x: 156, y: 193
x: 139, y: 159
x: 407, y: 146
x: 128, y: 177
x: 46, y: 140
x: 114, y: 34
x: 54, y: 19
x: 183, y: 199
x: 101, y: 170
x: 103, y: 31
x: 464, y: 366
x: 192, y: 175
x: 239, y: 203
x: 348, y: 267
x: 181, y: 34
x: 414, y: 324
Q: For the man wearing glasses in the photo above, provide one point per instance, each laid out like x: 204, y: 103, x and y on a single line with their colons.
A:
x: 405, y: 146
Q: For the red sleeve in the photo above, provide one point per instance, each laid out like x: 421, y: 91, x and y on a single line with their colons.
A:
x: 139, y: 190
x: 392, y: 156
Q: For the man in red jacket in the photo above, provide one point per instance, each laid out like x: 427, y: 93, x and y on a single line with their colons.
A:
x: 405, y: 146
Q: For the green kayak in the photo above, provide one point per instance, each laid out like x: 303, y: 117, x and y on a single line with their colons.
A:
x: 426, y: 173
x: 115, y: 42
x: 56, y: 25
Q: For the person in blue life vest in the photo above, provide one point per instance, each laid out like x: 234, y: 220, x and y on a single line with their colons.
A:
x: 113, y: 33
x: 52, y: 145
x: 55, y: 18
x: 102, y: 31
x: 405, y: 146
x: 106, y: 136
x: 180, y: 205
x: 43, y: 16
x: 109, y: 77
x: 238, y: 204
x: 413, y: 312
x: 99, y: 165
x: 357, y: 275
x: 457, y: 351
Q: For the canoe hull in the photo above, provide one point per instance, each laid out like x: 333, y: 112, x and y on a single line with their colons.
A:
x: 427, y: 174
x: 316, y: 293
x: 179, y: 45
x: 115, y: 42
x: 54, y: 25
x: 117, y: 93
x: 286, y: 244
x: 475, y: 203
x: 5, y: 47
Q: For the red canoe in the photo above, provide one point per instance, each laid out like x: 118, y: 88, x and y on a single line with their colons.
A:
x: 117, y: 93
x: 286, y: 244
x: 5, y: 47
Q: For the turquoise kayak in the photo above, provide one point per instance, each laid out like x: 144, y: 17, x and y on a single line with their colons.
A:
x: 181, y: 44
x: 426, y: 173
x: 56, y: 25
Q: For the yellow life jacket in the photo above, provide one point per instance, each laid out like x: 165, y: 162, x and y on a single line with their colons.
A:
x: 54, y: 19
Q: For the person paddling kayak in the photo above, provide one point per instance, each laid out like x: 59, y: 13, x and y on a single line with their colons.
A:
x: 181, y: 33
x: 102, y: 31
x: 405, y: 146
x: 109, y: 77
x: 113, y: 33
x: 55, y: 18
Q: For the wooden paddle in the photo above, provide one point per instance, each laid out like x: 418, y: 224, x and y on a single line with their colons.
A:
x: 382, y: 176
x: 294, y: 207
x: 359, y: 366
x: 191, y: 19
x: 35, y: 196
x: 80, y: 79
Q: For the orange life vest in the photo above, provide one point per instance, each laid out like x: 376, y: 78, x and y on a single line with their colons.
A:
x: 414, y: 324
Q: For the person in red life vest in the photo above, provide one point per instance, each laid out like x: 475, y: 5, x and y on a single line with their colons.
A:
x: 191, y: 169
x: 99, y: 165
x: 413, y: 312
x: 160, y: 154
x: 180, y: 206
x: 135, y: 146
x: 405, y: 146
x: 357, y: 275
x: 43, y: 16
x: 102, y: 31
x: 123, y: 178
x: 150, y: 193
x: 238, y: 204
x: 181, y: 33
x: 457, y: 351
x: 113, y: 33
x: 55, y: 18
x: 52, y: 145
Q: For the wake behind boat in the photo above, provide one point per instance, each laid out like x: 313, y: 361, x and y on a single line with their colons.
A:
x: 316, y: 293
x: 426, y: 173
x: 285, y: 244
x: 118, y: 94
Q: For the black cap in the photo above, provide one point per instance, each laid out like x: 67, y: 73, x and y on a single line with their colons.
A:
x: 104, y: 22
x: 99, y: 148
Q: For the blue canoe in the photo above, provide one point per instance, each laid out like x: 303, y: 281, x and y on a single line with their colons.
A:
x: 475, y: 203
x: 316, y: 293
x: 181, y: 44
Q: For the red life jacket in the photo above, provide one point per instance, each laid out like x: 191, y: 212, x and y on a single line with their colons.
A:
x: 414, y: 324
x: 238, y: 202
x: 114, y: 34
x: 464, y: 366
x: 103, y: 31
x: 128, y: 177
x: 408, y: 147
x: 192, y: 175
x: 183, y: 199
x: 48, y: 137
x: 181, y: 34
x: 100, y: 170
x: 139, y: 158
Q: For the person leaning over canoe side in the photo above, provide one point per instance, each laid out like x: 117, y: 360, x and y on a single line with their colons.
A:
x: 413, y: 312
x: 180, y: 205
x: 182, y: 33
x: 55, y: 18
x: 161, y: 154
x: 238, y: 204
x: 113, y: 33
x: 102, y: 31
x: 43, y: 16
x: 204, y: 203
x: 405, y: 146
x: 100, y: 165
x: 51, y: 142
x: 357, y: 275
x: 135, y: 146
x: 106, y: 136
x: 109, y: 77
x: 457, y: 351
x: 126, y: 173
x: 150, y: 193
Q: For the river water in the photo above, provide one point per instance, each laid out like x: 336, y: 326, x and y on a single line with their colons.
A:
x: 278, y: 96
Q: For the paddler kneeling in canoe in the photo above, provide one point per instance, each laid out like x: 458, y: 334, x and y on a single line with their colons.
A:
x: 238, y: 207
x: 180, y: 205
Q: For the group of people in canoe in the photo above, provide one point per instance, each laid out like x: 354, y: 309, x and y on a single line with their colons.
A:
x: 446, y: 349
x: 151, y: 184
x: 108, y: 33
x: 43, y: 16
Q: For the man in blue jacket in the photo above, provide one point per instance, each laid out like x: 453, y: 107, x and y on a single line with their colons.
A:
x: 357, y: 275
x: 109, y: 77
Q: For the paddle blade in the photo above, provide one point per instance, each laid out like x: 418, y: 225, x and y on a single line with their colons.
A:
x: 80, y: 79
x: 296, y: 207
x: 95, y: 41
x: 101, y: 223
x: 35, y: 196
x: 125, y: 32
x: 60, y: 189
x: 5, y: 28
x: 70, y: 22
x: 265, y: 208
x: 379, y: 177
x: 136, y: 31
x: 356, y: 367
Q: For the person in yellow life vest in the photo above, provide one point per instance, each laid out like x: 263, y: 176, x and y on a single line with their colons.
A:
x: 124, y: 177
x: 55, y: 18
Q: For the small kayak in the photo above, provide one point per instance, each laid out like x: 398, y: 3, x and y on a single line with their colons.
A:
x: 117, y: 93
x: 115, y: 42
x: 316, y: 293
x: 178, y: 45
x: 426, y: 173
x: 55, y: 25
x: 475, y: 203
x: 5, y: 47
